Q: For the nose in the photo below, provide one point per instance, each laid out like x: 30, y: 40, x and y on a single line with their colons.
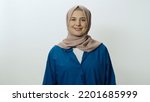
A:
x: 78, y: 23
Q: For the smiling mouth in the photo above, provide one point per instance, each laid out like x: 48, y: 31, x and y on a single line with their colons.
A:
x: 78, y: 29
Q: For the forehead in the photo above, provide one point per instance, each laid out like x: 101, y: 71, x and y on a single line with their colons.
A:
x: 78, y: 13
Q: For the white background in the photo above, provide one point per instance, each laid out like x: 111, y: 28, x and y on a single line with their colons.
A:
x: 29, y: 28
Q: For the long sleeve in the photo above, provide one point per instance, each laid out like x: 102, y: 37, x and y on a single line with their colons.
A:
x: 49, y: 76
x: 110, y: 76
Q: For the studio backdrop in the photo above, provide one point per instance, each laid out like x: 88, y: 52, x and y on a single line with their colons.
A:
x: 30, y: 28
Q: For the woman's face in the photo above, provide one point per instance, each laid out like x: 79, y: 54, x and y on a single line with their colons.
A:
x: 78, y: 23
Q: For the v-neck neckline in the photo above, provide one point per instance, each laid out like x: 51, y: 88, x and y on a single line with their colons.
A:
x: 73, y: 56
x: 76, y: 59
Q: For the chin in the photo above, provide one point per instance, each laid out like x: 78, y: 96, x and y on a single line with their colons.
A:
x: 78, y: 35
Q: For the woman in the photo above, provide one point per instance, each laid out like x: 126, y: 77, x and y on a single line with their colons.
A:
x: 79, y: 59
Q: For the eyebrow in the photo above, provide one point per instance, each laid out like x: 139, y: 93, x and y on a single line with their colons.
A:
x: 76, y: 17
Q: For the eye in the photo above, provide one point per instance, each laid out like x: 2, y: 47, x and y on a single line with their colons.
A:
x: 83, y: 19
x: 72, y: 19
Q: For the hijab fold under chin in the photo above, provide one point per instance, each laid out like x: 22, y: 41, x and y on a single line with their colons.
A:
x: 85, y: 42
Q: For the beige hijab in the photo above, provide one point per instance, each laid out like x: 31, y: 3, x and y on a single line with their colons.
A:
x: 85, y: 42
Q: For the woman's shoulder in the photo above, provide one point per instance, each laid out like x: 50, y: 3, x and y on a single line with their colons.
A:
x: 55, y: 49
x: 58, y: 50
x: 102, y: 47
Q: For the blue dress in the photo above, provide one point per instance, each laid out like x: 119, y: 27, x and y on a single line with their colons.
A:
x: 63, y: 68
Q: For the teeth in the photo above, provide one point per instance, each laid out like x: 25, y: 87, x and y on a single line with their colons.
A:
x: 77, y: 29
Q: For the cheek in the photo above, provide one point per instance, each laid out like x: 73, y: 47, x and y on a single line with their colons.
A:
x: 85, y: 26
x: 71, y: 24
x: 70, y: 27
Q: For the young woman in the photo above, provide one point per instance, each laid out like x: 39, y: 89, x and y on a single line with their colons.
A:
x: 79, y: 59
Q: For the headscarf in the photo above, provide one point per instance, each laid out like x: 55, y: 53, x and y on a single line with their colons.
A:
x: 84, y: 42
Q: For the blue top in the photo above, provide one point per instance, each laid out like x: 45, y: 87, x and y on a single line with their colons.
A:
x: 63, y: 68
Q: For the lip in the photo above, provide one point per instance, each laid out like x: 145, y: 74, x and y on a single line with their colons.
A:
x: 78, y: 29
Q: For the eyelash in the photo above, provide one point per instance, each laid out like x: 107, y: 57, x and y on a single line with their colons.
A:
x: 83, y: 20
x: 73, y: 19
